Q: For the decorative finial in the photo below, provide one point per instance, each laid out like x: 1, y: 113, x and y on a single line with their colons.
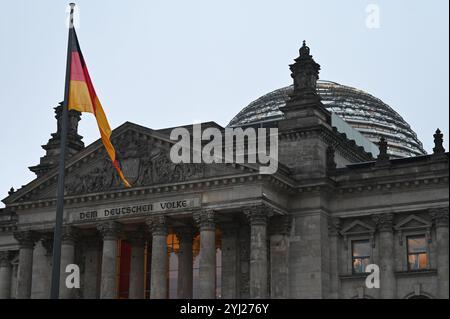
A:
x: 72, y: 8
x: 438, y: 141
x: 304, y: 50
x: 383, y: 157
x: 305, y: 72
x: 11, y: 191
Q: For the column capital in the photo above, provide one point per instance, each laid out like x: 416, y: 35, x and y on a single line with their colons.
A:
x: 110, y: 230
x: 205, y: 219
x: 258, y: 214
x: 157, y: 224
x: 47, y: 243
x: 334, y: 226
x: 70, y: 235
x: 439, y: 216
x: 26, y: 238
x: 280, y: 225
x: 384, y: 222
x: 5, y: 258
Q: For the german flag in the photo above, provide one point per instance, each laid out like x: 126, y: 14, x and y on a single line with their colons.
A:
x: 82, y: 97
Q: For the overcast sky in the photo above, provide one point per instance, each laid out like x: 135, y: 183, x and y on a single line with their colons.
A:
x: 166, y: 63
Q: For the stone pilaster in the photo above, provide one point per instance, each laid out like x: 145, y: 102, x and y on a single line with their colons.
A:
x: 230, y: 259
x: 205, y: 221
x: 108, y: 285
x: 26, y: 241
x: 137, y: 241
x: 159, y: 263
x: 68, y: 239
x: 185, y: 236
x: 92, y: 248
x: 258, y: 216
x: 334, y: 226
x: 279, y: 256
x: 384, y: 223
x: 5, y: 274
x: 440, y: 220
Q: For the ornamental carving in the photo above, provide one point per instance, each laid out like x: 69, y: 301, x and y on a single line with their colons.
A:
x: 205, y: 219
x: 157, y: 225
x: 384, y: 221
x: 142, y: 162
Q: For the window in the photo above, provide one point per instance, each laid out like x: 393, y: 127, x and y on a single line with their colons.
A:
x: 417, y: 253
x: 360, y: 255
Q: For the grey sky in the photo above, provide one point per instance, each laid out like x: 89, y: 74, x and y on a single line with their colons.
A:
x: 166, y: 63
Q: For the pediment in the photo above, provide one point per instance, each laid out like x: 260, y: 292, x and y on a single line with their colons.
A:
x: 411, y: 222
x: 357, y: 227
x: 144, y: 155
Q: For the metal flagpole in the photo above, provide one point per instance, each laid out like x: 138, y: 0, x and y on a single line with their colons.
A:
x: 54, y: 292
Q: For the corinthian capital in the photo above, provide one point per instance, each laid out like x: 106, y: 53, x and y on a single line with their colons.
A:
x: 205, y: 219
x: 384, y: 222
x: 110, y: 230
x: 69, y: 235
x: 334, y: 226
x: 439, y: 216
x: 26, y: 239
x: 157, y: 224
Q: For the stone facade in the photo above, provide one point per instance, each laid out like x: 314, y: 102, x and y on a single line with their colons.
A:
x: 303, y: 232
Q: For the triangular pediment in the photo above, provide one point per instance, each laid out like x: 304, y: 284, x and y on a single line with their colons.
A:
x: 411, y: 222
x: 145, y: 160
x: 357, y: 227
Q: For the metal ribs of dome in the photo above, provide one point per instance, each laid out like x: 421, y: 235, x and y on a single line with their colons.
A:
x: 367, y: 114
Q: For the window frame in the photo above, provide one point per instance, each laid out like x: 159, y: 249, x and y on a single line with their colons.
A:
x: 427, y: 249
x: 370, y: 256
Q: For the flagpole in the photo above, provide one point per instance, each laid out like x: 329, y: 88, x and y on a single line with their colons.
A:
x: 56, y: 265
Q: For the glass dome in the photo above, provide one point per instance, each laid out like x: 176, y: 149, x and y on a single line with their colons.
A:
x: 367, y: 114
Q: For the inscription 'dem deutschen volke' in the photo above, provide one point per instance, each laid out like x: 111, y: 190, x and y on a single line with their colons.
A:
x: 138, y: 209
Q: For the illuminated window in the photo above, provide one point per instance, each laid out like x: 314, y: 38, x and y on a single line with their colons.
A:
x: 360, y: 255
x: 417, y: 253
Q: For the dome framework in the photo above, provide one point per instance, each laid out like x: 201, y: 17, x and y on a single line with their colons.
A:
x: 367, y: 114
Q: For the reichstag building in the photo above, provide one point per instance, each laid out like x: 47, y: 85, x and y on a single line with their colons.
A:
x: 354, y: 187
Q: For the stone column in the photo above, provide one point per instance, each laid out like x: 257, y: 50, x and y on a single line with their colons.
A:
x: 257, y: 216
x: 92, y: 262
x: 159, y: 263
x: 440, y: 220
x: 5, y: 275
x: 26, y: 241
x: 388, y: 283
x: 229, y: 259
x: 108, y: 285
x: 279, y: 256
x: 334, y: 226
x: 205, y: 221
x: 185, y: 236
x: 137, y: 241
x: 68, y: 239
